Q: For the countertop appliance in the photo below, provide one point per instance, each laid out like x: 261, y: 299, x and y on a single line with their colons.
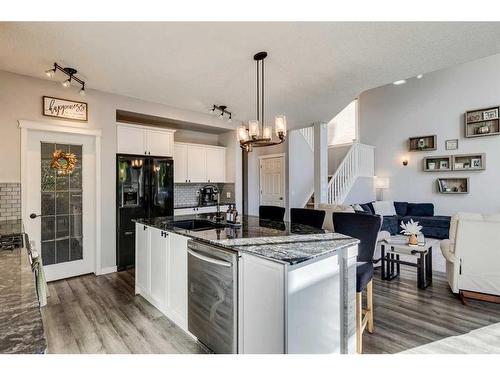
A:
x: 213, y: 296
x: 144, y: 189
x: 209, y: 195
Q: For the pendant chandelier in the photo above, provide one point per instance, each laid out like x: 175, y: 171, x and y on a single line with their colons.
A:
x: 258, y: 134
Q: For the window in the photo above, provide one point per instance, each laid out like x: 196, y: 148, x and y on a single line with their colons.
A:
x: 342, y: 128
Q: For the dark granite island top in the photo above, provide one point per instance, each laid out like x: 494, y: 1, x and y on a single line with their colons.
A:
x: 21, y: 327
x: 277, y: 241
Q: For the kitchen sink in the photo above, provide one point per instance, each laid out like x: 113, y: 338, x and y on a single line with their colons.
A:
x: 197, y: 224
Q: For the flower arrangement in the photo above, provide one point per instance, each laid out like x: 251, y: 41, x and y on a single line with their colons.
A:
x: 411, y: 229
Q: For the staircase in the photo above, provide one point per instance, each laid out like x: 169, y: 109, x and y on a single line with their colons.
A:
x: 358, y: 162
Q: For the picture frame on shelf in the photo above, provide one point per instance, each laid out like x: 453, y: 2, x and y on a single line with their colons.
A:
x: 459, y: 165
x: 451, y: 144
x: 490, y: 114
x: 431, y: 165
x: 474, y: 116
x: 475, y: 163
x: 443, y: 164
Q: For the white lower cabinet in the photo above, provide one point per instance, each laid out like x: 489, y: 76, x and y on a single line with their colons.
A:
x: 161, y: 271
x: 158, y: 270
x: 177, y: 284
x: 142, y: 259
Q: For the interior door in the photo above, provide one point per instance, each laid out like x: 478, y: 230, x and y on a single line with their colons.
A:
x: 272, y: 181
x: 63, y: 229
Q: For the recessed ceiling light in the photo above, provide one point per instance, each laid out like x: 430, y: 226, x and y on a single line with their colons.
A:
x: 420, y: 76
x: 400, y: 82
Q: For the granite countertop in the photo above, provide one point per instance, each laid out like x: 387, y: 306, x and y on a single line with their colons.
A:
x: 278, y: 241
x: 21, y: 327
x: 180, y: 206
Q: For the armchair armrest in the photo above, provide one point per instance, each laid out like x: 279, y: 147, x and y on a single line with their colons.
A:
x: 445, y: 246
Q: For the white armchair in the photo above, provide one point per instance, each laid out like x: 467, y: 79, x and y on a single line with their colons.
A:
x: 473, y: 253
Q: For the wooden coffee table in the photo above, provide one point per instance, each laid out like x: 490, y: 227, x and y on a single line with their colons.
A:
x: 391, y: 262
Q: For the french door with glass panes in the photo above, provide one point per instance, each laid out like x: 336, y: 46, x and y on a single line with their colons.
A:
x: 63, y: 225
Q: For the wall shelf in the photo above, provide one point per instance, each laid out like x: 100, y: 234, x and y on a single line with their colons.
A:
x: 482, y: 122
x: 438, y: 163
x: 423, y: 143
x: 469, y: 162
x: 453, y: 185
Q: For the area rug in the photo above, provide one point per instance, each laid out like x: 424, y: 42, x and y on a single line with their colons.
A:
x: 484, y: 340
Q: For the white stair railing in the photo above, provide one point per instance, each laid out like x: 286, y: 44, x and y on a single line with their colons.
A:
x: 358, y: 162
x: 308, y: 134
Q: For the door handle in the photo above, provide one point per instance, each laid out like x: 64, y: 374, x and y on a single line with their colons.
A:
x: 34, y: 216
x: 128, y: 233
x: 209, y: 260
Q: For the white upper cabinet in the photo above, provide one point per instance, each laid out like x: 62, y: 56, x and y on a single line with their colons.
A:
x: 199, y: 163
x: 160, y: 143
x: 197, y: 169
x: 130, y: 140
x: 141, y: 140
x: 180, y: 162
x: 216, y: 164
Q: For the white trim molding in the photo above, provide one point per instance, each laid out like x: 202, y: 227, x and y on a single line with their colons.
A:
x: 26, y: 125
x: 107, y: 270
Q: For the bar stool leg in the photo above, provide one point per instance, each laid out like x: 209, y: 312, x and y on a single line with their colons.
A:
x: 369, y: 308
x: 359, y: 323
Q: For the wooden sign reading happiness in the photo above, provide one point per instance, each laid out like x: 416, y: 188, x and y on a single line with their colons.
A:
x: 62, y: 108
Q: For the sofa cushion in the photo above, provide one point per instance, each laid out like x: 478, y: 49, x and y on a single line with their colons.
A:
x: 429, y: 221
x: 368, y: 207
x: 401, y: 208
x: 420, y: 209
x: 390, y: 224
x: 384, y: 208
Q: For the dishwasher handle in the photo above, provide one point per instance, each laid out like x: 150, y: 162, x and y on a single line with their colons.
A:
x: 209, y: 259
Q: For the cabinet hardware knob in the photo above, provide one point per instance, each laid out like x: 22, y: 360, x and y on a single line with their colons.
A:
x: 144, y: 228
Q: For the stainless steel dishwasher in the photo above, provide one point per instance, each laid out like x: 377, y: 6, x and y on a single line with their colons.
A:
x: 213, y: 296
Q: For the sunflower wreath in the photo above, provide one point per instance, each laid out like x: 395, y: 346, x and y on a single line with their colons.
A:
x: 63, y: 162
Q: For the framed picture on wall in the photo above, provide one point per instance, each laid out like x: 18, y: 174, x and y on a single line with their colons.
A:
x: 451, y: 144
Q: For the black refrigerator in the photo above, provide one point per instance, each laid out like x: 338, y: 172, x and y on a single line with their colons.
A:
x: 144, y: 189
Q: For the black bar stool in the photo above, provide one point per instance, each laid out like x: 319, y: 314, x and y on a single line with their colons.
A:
x: 365, y: 228
x: 273, y: 213
x: 305, y: 216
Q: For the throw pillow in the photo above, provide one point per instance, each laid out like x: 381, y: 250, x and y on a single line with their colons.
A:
x: 367, y: 207
x: 401, y: 208
x: 420, y: 209
x: 357, y: 207
x: 384, y: 208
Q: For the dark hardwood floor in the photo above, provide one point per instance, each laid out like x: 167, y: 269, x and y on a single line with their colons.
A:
x: 89, y: 314
x: 406, y: 317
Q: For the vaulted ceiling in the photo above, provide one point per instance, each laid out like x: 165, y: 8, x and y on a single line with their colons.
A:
x: 312, y: 72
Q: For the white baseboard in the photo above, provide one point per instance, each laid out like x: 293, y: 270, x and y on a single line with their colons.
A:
x: 106, y: 270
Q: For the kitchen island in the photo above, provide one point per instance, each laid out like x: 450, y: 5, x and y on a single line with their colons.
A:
x: 290, y: 288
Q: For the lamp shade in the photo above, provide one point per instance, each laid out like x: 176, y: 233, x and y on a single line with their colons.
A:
x: 382, y: 182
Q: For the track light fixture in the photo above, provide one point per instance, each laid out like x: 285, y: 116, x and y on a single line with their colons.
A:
x: 70, y: 72
x: 221, y: 112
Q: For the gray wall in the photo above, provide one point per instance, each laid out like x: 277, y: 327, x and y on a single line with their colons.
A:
x: 21, y: 99
x: 434, y: 104
x: 335, y: 156
x: 301, y: 169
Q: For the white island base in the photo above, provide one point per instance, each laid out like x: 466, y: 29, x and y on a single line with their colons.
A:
x: 304, y: 308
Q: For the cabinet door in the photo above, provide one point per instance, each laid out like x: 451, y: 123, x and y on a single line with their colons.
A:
x: 216, y: 164
x: 158, y: 266
x: 180, y: 162
x: 130, y: 140
x: 159, y: 143
x: 142, y: 259
x: 261, y: 283
x: 197, y: 169
x: 177, y: 286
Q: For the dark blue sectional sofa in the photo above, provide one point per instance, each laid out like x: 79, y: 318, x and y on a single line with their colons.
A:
x: 432, y: 226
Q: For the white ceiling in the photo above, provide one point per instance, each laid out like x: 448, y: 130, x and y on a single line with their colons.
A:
x: 312, y: 72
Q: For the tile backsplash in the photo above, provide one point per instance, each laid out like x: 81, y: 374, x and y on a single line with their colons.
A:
x: 10, y: 201
x: 186, y: 194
